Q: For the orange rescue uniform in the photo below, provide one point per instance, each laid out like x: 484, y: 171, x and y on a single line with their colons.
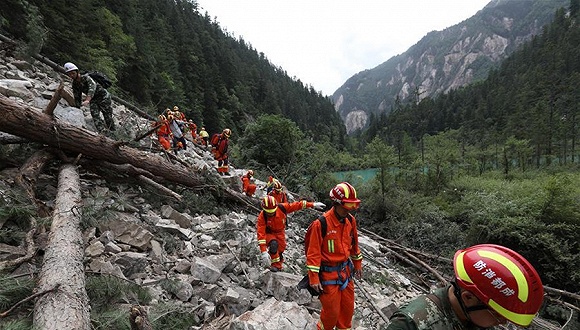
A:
x: 164, y: 135
x: 273, y: 228
x: 221, y: 154
x: 329, y: 260
x: 247, y: 186
x: 280, y: 197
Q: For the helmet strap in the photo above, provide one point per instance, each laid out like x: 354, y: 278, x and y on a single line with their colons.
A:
x: 466, y: 310
x: 338, y: 216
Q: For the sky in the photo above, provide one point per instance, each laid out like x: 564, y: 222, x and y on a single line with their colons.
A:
x: 325, y: 42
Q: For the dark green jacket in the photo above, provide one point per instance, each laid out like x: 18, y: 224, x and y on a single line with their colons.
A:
x: 422, y: 313
x: 88, y: 86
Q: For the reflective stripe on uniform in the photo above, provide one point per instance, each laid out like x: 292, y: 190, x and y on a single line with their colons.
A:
x: 357, y: 256
x: 315, y: 269
x: 330, y: 245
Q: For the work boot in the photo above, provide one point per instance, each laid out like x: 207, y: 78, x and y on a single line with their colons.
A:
x: 273, y: 269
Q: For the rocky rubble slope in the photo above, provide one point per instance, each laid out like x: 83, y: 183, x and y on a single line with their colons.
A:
x: 212, y: 260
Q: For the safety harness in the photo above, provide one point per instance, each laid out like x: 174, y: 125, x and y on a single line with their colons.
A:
x: 340, y: 269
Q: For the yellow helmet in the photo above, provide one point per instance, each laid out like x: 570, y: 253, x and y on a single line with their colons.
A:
x: 175, y: 108
x: 269, y: 204
x: 227, y: 132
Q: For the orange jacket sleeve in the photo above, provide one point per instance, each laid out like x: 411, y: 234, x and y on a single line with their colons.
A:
x: 297, y: 206
x: 355, y: 254
x: 314, y: 254
x: 261, y: 230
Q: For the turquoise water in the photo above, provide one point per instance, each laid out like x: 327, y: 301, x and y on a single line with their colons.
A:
x: 358, y: 176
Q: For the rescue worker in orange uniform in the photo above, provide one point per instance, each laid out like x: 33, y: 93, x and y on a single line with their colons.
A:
x: 164, y: 135
x: 270, y: 184
x: 271, y: 229
x: 334, y: 259
x: 247, y: 185
x: 192, y: 127
x: 221, y: 152
x: 278, y: 192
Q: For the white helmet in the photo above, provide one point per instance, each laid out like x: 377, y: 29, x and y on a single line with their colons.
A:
x: 68, y: 67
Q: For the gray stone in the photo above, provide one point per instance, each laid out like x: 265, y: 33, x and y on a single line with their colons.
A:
x: 274, y: 314
x: 205, y: 270
x: 95, y: 249
x: 131, y: 262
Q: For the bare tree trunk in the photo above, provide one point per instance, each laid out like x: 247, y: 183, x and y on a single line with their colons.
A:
x: 28, y: 174
x: 68, y: 306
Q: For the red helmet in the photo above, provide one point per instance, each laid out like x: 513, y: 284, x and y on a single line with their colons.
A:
x: 269, y: 204
x: 345, y: 195
x: 502, y: 279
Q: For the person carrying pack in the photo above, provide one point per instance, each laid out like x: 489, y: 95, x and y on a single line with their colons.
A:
x: 97, y: 97
x: 271, y: 229
x: 220, y: 150
x: 278, y: 192
x: 333, y: 257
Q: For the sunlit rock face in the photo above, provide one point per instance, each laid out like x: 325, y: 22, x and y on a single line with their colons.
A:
x: 355, y: 120
x: 443, y: 60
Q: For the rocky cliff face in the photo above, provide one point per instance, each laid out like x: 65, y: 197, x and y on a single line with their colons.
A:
x: 443, y: 60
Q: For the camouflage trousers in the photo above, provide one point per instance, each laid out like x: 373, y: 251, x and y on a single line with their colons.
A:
x: 105, y: 107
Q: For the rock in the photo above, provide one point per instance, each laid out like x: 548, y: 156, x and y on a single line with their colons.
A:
x: 127, y: 230
x: 274, y: 314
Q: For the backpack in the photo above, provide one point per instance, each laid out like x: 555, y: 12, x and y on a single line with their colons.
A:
x: 215, y: 139
x: 323, y: 228
x: 100, y: 78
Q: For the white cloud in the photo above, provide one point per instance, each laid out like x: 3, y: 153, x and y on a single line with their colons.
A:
x: 325, y: 42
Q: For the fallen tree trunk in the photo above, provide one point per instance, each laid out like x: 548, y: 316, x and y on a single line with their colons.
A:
x: 68, y: 306
x: 28, y: 174
x: 24, y: 121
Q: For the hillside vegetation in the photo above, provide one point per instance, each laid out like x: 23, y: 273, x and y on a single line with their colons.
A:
x: 494, y: 162
x: 165, y: 53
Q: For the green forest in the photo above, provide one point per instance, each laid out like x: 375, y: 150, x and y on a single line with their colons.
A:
x: 495, y: 162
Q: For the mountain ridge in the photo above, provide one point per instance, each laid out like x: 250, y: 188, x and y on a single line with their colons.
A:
x: 443, y: 60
